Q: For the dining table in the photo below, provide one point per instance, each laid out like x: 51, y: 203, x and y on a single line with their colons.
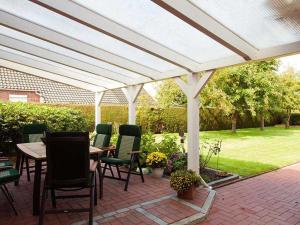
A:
x: 37, y: 152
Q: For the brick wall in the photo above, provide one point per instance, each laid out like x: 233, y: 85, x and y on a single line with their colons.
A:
x: 32, y: 96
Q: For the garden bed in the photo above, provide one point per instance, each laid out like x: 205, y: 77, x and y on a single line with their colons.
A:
x: 216, y: 177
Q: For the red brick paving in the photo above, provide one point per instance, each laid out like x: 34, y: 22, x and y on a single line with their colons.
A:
x: 269, y: 199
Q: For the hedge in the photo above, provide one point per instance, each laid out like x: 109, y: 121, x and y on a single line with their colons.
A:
x: 13, y: 116
x: 170, y: 119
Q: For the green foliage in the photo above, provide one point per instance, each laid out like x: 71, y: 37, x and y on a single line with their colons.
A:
x: 182, y: 180
x: 176, y: 161
x: 295, y: 119
x: 15, y: 115
x: 211, y: 148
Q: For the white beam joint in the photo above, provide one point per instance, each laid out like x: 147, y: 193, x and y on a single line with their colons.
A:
x: 202, y: 82
x: 131, y: 93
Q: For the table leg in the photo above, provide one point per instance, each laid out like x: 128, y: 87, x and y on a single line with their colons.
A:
x: 18, y: 165
x: 36, y: 187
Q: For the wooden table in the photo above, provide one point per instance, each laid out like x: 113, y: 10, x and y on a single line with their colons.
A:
x: 37, y: 152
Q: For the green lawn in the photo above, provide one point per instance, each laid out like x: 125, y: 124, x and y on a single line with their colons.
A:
x: 251, y: 151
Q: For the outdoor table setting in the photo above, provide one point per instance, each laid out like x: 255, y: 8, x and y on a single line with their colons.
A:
x: 37, y: 152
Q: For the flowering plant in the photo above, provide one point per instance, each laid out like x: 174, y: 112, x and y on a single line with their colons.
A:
x: 156, y: 160
x: 182, y: 180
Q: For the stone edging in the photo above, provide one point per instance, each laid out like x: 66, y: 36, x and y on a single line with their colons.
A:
x: 201, y: 214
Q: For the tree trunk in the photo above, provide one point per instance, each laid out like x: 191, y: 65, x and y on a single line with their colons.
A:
x: 233, y: 121
x: 262, y: 120
x: 287, y: 122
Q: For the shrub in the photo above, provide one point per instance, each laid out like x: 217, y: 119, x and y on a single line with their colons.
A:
x: 15, y: 115
x: 176, y: 161
x: 295, y: 119
x: 212, y: 147
x: 182, y: 180
x: 169, y: 144
x: 156, y: 160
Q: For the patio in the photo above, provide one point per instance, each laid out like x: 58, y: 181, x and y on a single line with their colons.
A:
x: 246, y: 202
x: 152, y: 202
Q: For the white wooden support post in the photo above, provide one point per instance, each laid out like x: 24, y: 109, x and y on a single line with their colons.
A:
x: 98, y: 100
x: 131, y: 93
x: 192, y: 88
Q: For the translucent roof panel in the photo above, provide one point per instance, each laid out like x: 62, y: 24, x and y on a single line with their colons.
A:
x: 39, y: 15
x: 263, y: 23
x: 66, y: 52
x: 152, y: 21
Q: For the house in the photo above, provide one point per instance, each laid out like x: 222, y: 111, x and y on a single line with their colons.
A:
x: 23, y: 87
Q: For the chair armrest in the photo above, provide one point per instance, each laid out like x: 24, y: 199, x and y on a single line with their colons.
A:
x: 4, y: 159
x: 93, y: 165
x: 134, y: 152
x: 108, y: 148
x: 5, y: 168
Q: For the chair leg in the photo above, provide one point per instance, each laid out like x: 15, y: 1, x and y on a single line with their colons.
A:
x: 100, y: 180
x: 111, y: 171
x: 118, y: 170
x: 128, y: 176
x: 8, y: 193
x: 104, y: 170
x: 91, y: 202
x: 95, y: 189
x: 53, y: 198
x: 43, y: 203
x: 140, y: 169
x: 27, y: 168
x: 22, y: 165
x: 9, y: 200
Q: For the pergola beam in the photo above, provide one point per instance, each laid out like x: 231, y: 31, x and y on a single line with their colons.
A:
x: 38, y: 31
x: 48, y: 75
x: 53, y: 69
x: 194, y: 16
x: 104, y: 25
x: 98, y: 99
x: 68, y: 61
x: 192, y: 89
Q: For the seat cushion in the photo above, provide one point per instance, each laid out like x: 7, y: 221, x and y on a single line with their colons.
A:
x: 6, y: 163
x: 115, y: 161
x: 9, y: 175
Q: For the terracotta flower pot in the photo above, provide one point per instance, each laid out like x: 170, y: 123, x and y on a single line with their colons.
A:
x: 189, y: 194
x: 157, y: 172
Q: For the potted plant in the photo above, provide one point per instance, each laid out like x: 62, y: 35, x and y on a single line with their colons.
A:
x: 185, y: 183
x: 157, y: 161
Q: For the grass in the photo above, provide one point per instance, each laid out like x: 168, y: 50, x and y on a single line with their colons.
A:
x: 251, y: 151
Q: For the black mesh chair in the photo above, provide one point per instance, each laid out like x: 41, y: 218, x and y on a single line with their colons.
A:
x: 31, y: 133
x: 69, y: 168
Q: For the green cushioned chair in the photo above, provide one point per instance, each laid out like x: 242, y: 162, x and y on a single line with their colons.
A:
x: 8, y: 175
x: 126, y: 153
x: 102, y: 140
x: 31, y: 133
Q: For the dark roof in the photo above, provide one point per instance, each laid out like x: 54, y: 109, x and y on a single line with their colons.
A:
x: 54, y: 92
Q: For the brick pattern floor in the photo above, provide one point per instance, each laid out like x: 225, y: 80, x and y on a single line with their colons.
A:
x: 269, y: 199
x: 114, y: 206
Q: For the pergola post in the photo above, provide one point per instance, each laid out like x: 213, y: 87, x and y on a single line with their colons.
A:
x: 131, y: 93
x: 192, y: 89
x: 98, y: 100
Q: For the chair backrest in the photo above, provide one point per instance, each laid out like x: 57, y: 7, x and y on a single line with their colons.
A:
x: 103, y: 135
x: 67, y: 159
x: 33, y: 132
x: 129, y: 140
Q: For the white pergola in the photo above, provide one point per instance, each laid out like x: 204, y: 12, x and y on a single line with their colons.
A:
x: 101, y: 45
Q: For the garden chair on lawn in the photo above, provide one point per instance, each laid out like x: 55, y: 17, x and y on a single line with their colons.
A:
x: 102, y: 140
x: 69, y: 168
x: 126, y: 153
x: 7, y: 175
x: 31, y: 133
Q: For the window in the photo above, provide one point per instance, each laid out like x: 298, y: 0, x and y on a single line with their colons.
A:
x: 18, y: 98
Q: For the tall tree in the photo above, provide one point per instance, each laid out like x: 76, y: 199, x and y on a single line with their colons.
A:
x: 290, y: 93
